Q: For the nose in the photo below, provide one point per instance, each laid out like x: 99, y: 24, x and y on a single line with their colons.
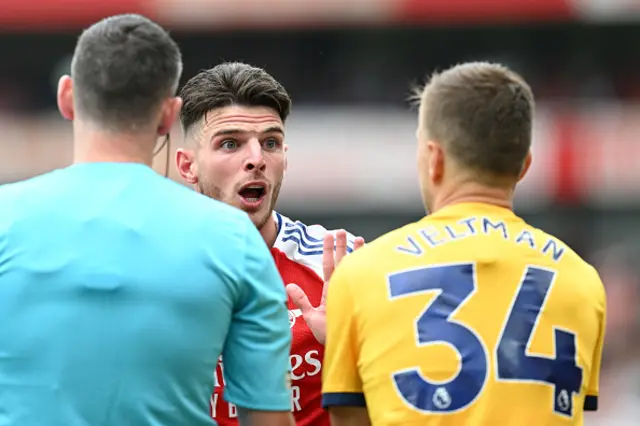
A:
x: 255, y: 159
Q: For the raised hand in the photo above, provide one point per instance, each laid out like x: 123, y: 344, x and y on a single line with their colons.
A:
x: 315, y: 317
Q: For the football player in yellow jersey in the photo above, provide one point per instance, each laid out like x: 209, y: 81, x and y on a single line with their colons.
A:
x: 469, y: 317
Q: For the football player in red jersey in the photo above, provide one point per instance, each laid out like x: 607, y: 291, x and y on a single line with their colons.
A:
x: 233, y: 121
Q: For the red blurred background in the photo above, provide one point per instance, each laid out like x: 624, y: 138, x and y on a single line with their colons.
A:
x: 349, y: 66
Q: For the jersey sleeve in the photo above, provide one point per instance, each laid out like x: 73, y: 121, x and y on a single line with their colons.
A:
x: 593, y: 388
x: 341, y: 382
x: 256, y: 351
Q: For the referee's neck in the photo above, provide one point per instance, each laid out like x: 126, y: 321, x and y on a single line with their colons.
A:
x: 94, y: 146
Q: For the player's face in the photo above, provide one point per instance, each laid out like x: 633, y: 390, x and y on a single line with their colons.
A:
x: 241, y: 159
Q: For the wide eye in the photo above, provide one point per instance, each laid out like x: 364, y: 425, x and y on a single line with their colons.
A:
x: 271, y: 144
x: 229, y: 144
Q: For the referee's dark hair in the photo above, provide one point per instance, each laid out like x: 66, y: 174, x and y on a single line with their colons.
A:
x: 123, y: 68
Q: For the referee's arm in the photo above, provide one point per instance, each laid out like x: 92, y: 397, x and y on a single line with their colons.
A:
x: 257, y: 348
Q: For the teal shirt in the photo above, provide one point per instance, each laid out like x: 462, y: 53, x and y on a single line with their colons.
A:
x: 119, y: 290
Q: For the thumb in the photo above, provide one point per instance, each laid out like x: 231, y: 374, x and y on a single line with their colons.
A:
x: 299, y: 298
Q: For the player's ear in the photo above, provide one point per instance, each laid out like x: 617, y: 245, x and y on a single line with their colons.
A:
x: 526, y: 166
x: 170, y: 111
x: 435, y: 161
x: 186, y: 165
x: 286, y: 161
x: 65, y: 97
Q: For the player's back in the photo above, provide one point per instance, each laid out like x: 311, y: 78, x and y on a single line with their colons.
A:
x: 108, y: 309
x: 472, y: 317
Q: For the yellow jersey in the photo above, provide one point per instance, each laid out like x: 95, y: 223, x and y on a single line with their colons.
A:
x: 467, y: 317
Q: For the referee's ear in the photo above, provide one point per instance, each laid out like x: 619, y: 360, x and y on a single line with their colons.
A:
x: 65, y: 97
x: 169, y: 114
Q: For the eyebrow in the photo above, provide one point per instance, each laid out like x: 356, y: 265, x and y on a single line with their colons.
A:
x: 226, y: 132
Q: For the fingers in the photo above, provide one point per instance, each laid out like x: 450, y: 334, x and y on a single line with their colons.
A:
x: 325, y: 290
x: 328, y: 262
x: 334, y: 249
x: 299, y: 298
x: 341, y: 245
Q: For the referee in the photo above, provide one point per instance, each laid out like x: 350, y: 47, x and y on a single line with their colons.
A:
x: 120, y: 289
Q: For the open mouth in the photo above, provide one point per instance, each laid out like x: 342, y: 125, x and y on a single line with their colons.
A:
x: 253, y: 193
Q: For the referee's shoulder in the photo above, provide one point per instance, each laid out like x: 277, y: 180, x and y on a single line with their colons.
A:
x: 9, y: 190
x: 22, y: 200
x: 209, y: 213
x: 11, y: 193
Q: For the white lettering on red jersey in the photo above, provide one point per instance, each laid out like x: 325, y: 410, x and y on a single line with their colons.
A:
x: 298, y: 255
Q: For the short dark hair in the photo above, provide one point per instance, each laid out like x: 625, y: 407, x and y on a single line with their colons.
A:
x: 482, y: 114
x: 231, y: 83
x: 122, y: 68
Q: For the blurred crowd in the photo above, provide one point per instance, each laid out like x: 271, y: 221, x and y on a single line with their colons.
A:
x: 586, y: 188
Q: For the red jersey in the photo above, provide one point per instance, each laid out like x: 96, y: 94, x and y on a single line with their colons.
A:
x: 298, y: 255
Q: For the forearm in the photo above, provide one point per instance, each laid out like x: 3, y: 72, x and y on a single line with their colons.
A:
x: 349, y: 416
x: 264, y: 418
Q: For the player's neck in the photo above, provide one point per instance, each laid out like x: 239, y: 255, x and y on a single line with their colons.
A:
x: 95, y: 146
x: 269, y: 232
x: 474, y: 193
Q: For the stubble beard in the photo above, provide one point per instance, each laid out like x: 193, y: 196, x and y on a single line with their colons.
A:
x: 215, y: 192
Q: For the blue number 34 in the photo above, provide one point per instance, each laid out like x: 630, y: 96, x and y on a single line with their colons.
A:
x: 456, y: 284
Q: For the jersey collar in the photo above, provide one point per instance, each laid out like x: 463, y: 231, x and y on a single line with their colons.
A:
x: 472, y: 209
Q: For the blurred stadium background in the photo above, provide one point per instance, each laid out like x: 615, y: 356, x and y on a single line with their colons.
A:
x: 349, y: 66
